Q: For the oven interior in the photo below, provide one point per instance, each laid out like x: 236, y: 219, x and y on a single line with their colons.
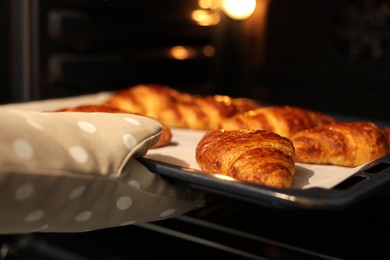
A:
x: 332, y: 56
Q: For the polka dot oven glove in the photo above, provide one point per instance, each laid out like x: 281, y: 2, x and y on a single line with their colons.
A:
x: 74, y: 172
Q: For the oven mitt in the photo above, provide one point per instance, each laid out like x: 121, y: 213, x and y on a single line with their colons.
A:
x: 75, y: 172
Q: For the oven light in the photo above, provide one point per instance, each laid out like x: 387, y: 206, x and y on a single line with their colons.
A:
x: 180, y: 52
x: 205, y: 17
x: 183, y: 52
x: 239, y: 9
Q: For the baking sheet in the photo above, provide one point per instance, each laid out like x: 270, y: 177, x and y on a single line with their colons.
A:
x: 314, y: 186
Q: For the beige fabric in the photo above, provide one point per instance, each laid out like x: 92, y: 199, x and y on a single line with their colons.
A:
x: 73, y: 172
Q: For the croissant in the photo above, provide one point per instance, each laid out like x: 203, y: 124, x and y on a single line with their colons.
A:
x: 256, y: 156
x: 341, y: 143
x: 179, y: 109
x: 166, y: 134
x: 283, y: 120
x: 386, y: 131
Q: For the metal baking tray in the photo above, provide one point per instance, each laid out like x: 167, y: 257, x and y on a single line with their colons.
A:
x: 364, y: 182
x: 360, y: 183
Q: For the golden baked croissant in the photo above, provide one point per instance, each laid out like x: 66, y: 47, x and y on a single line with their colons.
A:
x: 166, y: 134
x: 283, y: 120
x: 178, y: 109
x: 256, y: 156
x: 341, y: 143
x: 386, y: 131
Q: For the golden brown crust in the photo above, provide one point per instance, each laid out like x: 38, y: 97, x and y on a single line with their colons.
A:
x: 256, y: 156
x: 166, y: 134
x: 165, y: 137
x: 147, y: 100
x: 178, y: 109
x: 386, y: 131
x: 283, y: 120
x: 341, y: 143
x: 91, y: 108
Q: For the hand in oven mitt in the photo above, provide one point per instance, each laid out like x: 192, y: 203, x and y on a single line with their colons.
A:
x: 74, y: 172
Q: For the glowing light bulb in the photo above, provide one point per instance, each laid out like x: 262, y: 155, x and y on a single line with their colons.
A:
x: 180, y: 52
x: 239, y: 9
x: 205, y: 18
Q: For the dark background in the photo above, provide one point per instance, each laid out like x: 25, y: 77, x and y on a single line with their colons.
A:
x: 327, y: 55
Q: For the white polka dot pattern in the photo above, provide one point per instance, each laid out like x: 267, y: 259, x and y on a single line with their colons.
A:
x: 135, y: 184
x: 78, y: 154
x: 96, y: 142
x: 41, y: 228
x: 129, y: 141
x: 130, y: 222
x: 167, y: 213
x: 23, y: 149
x: 87, y: 127
x: 124, y: 203
x: 24, y: 191
x: 132, y: 121
x: 71, y: 172
x: 83, y: 216
x: 77, y: 192
x: 34, y: 215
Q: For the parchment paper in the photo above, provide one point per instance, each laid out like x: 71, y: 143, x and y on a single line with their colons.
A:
x: 182, y: 152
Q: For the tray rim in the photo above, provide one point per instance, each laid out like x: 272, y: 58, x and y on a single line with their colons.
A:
x: 310, y: 198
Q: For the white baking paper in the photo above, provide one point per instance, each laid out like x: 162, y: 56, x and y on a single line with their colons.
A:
x: 182, y: 152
